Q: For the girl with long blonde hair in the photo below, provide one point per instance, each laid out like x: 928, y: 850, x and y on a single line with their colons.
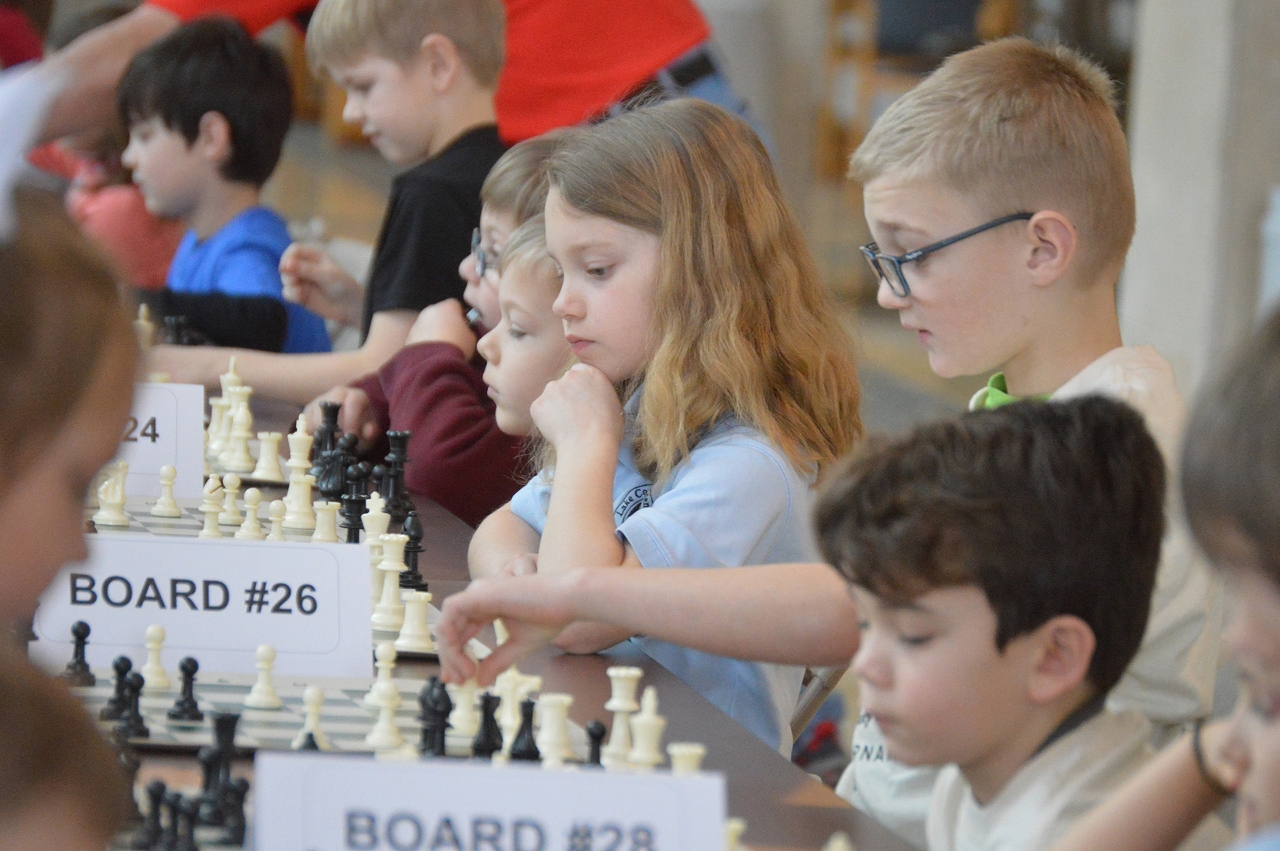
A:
x: 713, y: 383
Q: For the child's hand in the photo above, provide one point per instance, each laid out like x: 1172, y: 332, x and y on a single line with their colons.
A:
x: 444, y: 322
x: 578, y: 409
x: 356, y: 417
x: 312, y: 279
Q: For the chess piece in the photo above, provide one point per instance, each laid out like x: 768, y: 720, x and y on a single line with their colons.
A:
x: 375, y: 523
x: 327, y: 432
x: 595, y: 740
x: 513, y: 687
x: 251, y: 529
x: 129, y: 766
x: 144, y: 328
x: 172, y: 802
x: 415, y: 636
x: 131, y: 724
x: 839, y: 841
x: 299, y: 516
x: 553, y: 736
x: 646, y: 733
x: 384, y: 689
x: 313, y: 703
x: 385, y: 735
x: 268, y: 467
x: 734, y: 828
x: 236, y: 457
x: 465, y: 719
x: 388, y: 614
x: 354, y: 500
x: 524, y: 748
x: 277, y: 520
x: 77, y: 673
x: 210, y: 766
x: 166, y: 505
x: 188, y: 819
x: 488, y: 739
x: 212, y: 492
x: 186, y: 707
x: 157, y: 681
x: 412, y: 579
x: 622, y: 702
x: 111, y: 497
x: 686, y: 757
x: 393, y: 491
x: 263, y: 694
x: 218, y: 407
x: 210, y: 529
x: 230, y: 514
x: 233, y: 806
x: 117, y: 703
x: 326, y: 531
x: 224, y: 745
x: 149, y: 833
x: 435, y: 707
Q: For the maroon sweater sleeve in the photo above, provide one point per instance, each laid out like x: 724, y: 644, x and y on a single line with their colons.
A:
x: 457, y: 454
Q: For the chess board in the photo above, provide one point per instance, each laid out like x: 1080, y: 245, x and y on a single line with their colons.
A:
x: 345, y: 720
x: 142, y: 521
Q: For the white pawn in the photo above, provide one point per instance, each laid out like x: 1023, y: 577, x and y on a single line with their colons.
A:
x: 166, y: 505
x: 230, y: 514
x: 464, y: 720
x: 646, y: 733
x: 111, y: 497
x: 553, y: 736
x: 251, y: 529
x: 313, y: 704
x: 385, y: 735
x: 210, y: 529
x: 415, y: 635
x: 388, y: 615
x: 686, y: 757
x: 622, y: 702
x: 384, y: 688
x: 326, y: 531
x: 268, y: 468
x: 733, y: 830
x: 155, y: 681
x: 839, y: 841
x: 375, y: 526
x: 144, y: 328
x: 263, y: 694
x: 277, y: 520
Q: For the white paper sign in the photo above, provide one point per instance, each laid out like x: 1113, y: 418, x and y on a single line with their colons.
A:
x: 166, y: 426
x: 217, y: 601
x: 336, y: 803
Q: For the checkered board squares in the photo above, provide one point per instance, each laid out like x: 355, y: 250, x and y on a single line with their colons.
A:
x: 142, y: 521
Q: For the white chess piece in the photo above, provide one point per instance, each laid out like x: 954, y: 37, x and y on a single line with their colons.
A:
x: 263, y: 694
x: 464, y: 720
x: 375, y: 526
x: 326, y: 531
x: 622, y: 702
x: 388, y: 615
x: 230, y: 514
x: 236, y: 457
x: 238, y: 394
x: 155, y: 681
x: 553, y: 735
x: 277, y: 520
x: 268, y: 468
x: 384, y: 688
x: 251, y: 529
x: 166, y: 505
x: 646, y: 733
x: 212, y: 492
x: 313, y: 705
x: 210, y: 529
x: 512, y: 687
x: 415, y: 635
x: 686, y: 757
x: 111, y: 497
x: 733, y: 830
x: 385, y: 735
x: 218, y: 406
x: 144, y: 328
x: 299, y: 517
x: 839, y: 841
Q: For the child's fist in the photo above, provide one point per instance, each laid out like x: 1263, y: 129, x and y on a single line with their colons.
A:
x: 357, y: 415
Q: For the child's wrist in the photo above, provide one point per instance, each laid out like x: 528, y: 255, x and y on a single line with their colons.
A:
x: 1207, y: 776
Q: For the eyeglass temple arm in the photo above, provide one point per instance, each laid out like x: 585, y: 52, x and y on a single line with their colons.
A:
x: 951, y: 240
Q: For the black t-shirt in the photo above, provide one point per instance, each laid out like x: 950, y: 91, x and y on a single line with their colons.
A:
x: 427, y: 230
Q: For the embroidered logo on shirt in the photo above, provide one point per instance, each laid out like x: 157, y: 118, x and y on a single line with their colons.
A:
x: 635, y: 499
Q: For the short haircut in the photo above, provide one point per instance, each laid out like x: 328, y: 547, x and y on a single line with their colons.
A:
x: 342, y: 32
x: 526, y: 249
x: 51, y: 749
x: 1231, y: 459
x: 213, y: 65
x: 1017, y: 126
x: 1051, y: 508
x: 517, y: 182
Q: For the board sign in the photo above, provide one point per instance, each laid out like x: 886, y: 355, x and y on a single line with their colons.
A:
x: 217, y: 601
x: 322, y: 802
x: 166, y: 426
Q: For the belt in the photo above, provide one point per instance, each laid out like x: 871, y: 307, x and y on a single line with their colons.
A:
x: 696, y: 65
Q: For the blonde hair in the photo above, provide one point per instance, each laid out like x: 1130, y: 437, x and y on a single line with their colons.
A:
x: 742, y: 325
x: 517, y: 182
x: 526, y: 249
x: 342, y: 31
x: 1019, y: 127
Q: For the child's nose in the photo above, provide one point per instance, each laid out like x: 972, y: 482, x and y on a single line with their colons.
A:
x: 488, y: 348
x: 467, y: 269
x: 351, y: 111
x: 567, y: 304
x: 869, y: 664
x: 888, y: 299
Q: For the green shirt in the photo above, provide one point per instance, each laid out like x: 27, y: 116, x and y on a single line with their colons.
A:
x: 998, y: 393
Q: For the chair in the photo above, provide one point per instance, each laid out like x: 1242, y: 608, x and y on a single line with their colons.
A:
x: 816, y: 688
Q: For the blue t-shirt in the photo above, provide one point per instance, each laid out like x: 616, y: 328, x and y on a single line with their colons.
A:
x: 243, y: 259
x: 735, y: 501
x: 1267, y: 840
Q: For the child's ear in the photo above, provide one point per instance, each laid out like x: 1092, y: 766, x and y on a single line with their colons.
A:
x: 1053, y: 241
x: 214, y: 138
x: 1066, y: 645
x: 443, y: 61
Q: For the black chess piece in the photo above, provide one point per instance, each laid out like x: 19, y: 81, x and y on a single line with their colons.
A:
x: 129, y: 765
x: 309, y: 742
x: 131, y: 724
x: 224, y: 742
x: 488, y: 740
x: 172, y: 808
x: 77, y: 673
x: 595, y: 736
x: 523, y: 746
x: 411, y: 577
x: 172, y: 330
x: 210, y: 795
x: 326, y: 434
x: 436, y: 705
x: 149, y: 833
x: 233, y: 809
x: 186, y: 707
x: 188, y: 820
x: 398, y: 502
x: 355, y: 500
x: 117, y: 702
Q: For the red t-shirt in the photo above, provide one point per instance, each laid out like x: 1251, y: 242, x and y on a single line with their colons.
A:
x: 567, y: 60
x: 19, y: 41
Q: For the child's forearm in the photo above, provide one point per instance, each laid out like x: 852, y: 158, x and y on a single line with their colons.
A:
x: 501, y: 537
x: 580, y: 529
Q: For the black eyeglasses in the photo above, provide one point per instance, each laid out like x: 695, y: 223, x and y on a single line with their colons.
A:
x: 484, y: 262
x: 889, y: 268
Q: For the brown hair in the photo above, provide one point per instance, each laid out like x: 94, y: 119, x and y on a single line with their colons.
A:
x: 342, y: 31
x: 743, y: 325
x: 62, y: 308
x: 1049, y: 507
x: 50, y: 748
x: 517, y: 182
x: 1231, y: 459
x: 1017, y: 126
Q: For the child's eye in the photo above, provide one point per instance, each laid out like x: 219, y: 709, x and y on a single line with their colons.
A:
x: 915, y: 640
x: 1265, y: 707
x: 516, y: 334
x: 598, y: 271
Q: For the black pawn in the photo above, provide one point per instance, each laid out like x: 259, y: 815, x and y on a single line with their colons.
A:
x: 172, y: 810
x: 355, y: 500
x: 488, y: 740
x: 233, y: 809
x: 210, y: 795
x: 116, y: 704
x: 131, y: 724
x: 523, y: 747
x: 595, y: 736
x: 411, y: 577
x: 186, y: 708
x: 77, y: 672
x: 150, y: 831
x: 309, y: 743
x: 188, y: 820
x: 129, y: 765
